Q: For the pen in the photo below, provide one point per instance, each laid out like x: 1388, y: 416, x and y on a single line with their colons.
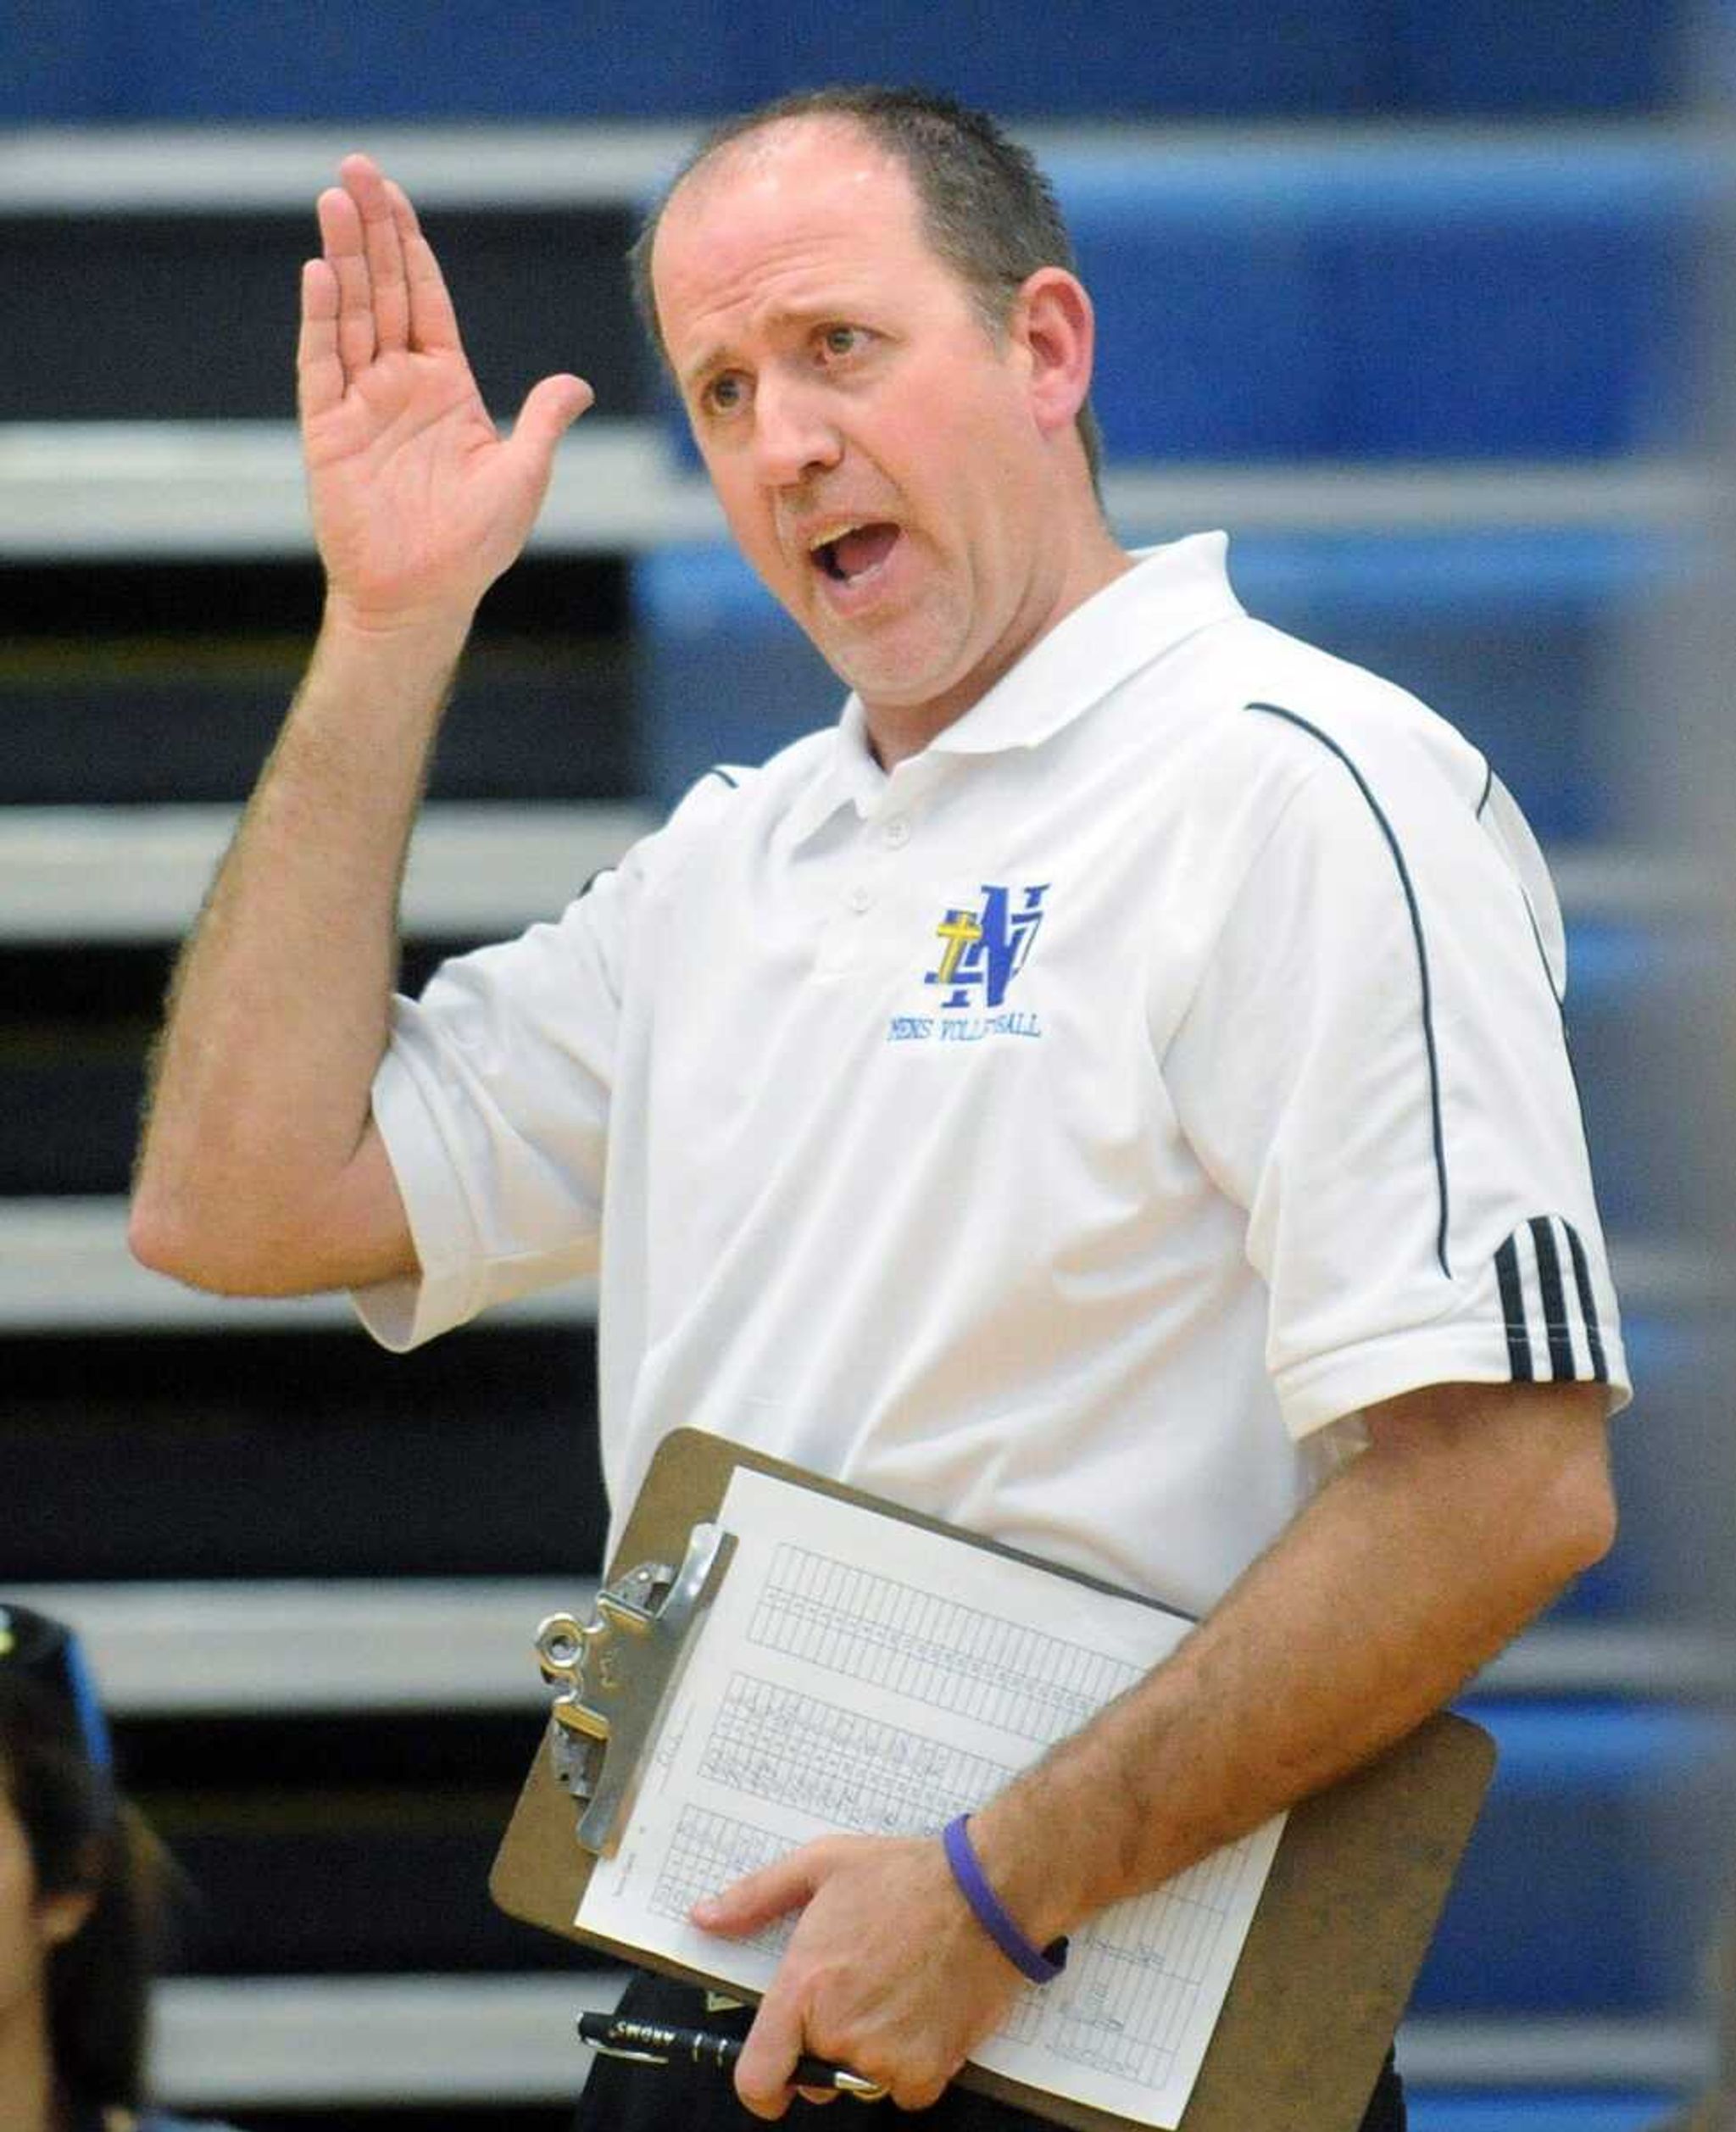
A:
x: 651, y: 2043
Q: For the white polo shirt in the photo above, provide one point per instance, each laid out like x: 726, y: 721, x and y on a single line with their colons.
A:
x: 1054, y: 1133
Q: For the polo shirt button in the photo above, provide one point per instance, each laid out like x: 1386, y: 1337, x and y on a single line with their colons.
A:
x: 898, y: 831
x: 859, y: 899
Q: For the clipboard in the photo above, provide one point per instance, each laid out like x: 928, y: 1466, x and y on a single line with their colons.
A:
x: 1342, y: 1927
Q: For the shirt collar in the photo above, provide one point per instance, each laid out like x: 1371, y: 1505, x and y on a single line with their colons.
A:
x: 1169, y: 593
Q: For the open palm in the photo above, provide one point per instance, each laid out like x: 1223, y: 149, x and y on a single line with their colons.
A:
x: 418, y: 502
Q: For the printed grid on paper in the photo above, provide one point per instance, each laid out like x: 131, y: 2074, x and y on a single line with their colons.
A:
x: 1132, y: 1991
x: 706, y: 1851
x: 849, y: 1770
x: 1135, y: 1976
x: 953, y: 1657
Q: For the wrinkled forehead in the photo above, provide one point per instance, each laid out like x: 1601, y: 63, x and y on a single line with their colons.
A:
x: 795, y: 187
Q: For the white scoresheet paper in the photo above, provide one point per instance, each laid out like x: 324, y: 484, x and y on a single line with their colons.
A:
x: 857, y: 1673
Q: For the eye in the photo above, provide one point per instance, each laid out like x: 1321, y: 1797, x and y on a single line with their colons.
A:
x: 725, y: 392
x: 843, y: 340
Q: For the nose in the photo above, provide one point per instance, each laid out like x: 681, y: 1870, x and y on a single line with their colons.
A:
x: 793, y: 435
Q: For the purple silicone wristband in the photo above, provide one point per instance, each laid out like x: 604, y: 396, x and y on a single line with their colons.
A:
x: 1041, y: 1964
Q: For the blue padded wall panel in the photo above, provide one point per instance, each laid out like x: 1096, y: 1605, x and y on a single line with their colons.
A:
x: 1209, y: 296
x: 1098, y: 59
x: 56, y: 62
x: 1450, y: 301
x: 1572, y: 1897
x: 1490, y: 57
x: 1291, y: 59
x: 301, y: 59
x: 1530, y: 334
x: 1533, y: 301
x: 1527, y: 2110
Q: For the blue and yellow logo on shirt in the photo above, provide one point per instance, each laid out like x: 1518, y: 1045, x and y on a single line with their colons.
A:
x: 981, y: 951
x: 986, y: 949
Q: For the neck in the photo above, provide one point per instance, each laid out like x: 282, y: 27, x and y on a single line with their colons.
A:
x: 897, y: 730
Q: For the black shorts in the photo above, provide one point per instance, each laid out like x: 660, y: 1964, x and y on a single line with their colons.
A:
x: 623, y: 2097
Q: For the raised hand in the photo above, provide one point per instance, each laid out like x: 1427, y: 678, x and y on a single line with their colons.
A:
x: 419, y: 503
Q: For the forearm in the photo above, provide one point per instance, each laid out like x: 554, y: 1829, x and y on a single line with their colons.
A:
x: 1408, y: 1571
x: 278, y: 1014
x: 1471, y: 1508
x: 261, y: 1170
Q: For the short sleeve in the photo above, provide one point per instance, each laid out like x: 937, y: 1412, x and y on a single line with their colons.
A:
x: 493, y: 1097
x: 1374, y: 1067
x: 493, y: 1100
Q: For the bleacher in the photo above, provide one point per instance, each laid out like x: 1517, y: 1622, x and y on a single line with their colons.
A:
x: 1404, y: 296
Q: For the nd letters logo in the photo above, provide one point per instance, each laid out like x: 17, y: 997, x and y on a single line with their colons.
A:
x: 982, y: 952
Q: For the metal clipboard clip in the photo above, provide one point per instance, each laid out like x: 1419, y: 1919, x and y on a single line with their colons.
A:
x: 617, y: 1672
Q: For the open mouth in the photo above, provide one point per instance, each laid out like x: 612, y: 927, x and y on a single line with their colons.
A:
x: 855, y: 554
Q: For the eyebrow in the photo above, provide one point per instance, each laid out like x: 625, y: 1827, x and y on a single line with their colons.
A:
x: 713, y: 360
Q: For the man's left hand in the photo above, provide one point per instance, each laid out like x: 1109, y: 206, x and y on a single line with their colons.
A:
x: 886, y: 1972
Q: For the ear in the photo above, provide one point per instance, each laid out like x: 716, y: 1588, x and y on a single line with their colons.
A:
x: 1054, y: 322
x: 63, y: 1917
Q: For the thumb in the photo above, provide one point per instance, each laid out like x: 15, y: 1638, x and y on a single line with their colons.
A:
x: 749, y: 1903
x: 550, y: 410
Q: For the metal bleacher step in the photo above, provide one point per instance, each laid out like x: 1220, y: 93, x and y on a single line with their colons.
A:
x: 1591, y: 2052
x: 267, y: 2042
x: 280, y: 2042
x: 173, y: 169
x: 388, y: 1645
x: 64, y: 1266
x: 94, y: 873
x: 154, y: 169
x: 177, y: 489
x: 395, y: 1646
x: 151, y: 490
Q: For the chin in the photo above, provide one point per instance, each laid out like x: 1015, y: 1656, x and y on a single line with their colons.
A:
x: 880, y: 675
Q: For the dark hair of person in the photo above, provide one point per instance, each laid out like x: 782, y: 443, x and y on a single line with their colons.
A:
x: 81, y: 1836
x: 989, y: 213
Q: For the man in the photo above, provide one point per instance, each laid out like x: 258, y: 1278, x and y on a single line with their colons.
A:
x: 1109, y: 1093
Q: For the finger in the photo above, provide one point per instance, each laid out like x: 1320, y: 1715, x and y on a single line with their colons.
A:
x: 550, y: 410
x: 818, y: 2095
x: 382, y: 245
x: 754, y: 1900
x: 341, y: 232
x: 917, y: 2095
x: 768, y: 2058
x: 319, y: 372
x: 432, y: 322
